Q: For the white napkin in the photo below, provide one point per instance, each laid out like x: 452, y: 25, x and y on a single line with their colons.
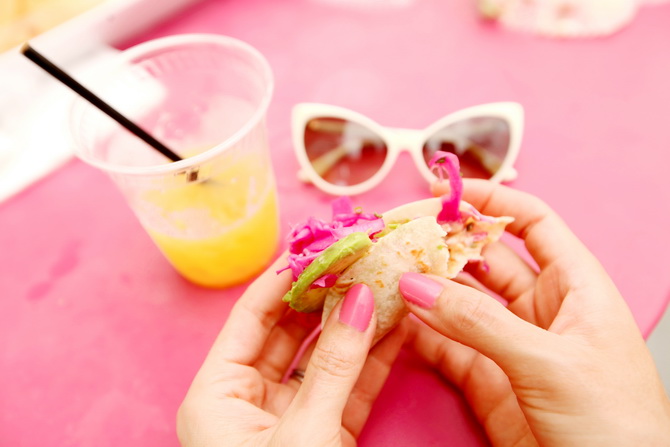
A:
x: 34, y: 127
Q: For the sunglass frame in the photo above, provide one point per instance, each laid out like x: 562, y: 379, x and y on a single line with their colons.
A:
x: 398, y: 140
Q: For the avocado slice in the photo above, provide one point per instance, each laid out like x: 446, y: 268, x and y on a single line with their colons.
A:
x: 333, y: 260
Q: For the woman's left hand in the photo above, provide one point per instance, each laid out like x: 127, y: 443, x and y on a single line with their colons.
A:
x: 239, y: 398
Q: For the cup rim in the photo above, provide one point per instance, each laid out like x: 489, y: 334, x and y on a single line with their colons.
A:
x: 172, y: 41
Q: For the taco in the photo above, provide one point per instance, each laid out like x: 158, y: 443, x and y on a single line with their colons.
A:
x: 437, y: 236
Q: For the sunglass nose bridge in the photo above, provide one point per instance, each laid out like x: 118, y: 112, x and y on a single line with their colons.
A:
x: 405, y: 138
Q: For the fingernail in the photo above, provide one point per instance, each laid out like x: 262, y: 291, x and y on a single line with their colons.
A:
x: 357, y: 307
x: 419, y: 289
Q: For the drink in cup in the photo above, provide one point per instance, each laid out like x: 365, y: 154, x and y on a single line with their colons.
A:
x: 213, y: 214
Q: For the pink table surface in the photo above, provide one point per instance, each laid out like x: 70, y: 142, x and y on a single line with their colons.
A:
x: 100, y: 338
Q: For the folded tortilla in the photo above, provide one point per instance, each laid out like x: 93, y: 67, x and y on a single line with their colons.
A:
x: 420, y: 245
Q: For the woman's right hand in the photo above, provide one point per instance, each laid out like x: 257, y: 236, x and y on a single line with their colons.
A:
x: 564, y: 362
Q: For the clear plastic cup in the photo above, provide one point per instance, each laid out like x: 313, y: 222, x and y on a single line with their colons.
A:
x: 214, y: 215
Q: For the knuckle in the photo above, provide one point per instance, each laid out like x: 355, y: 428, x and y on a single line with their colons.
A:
x: 333, y: 361
x: 363, y: 397
x: 540, y: 206
x: 470, y: 314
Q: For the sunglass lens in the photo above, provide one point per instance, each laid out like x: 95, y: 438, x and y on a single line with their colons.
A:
x: 481, y: 145
x: 343, y: 152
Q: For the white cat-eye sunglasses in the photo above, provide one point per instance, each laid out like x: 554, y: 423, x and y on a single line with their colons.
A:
x: 344, y: 153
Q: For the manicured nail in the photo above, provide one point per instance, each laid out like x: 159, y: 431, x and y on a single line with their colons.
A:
x: 419, y: 289
x: 357, y: 307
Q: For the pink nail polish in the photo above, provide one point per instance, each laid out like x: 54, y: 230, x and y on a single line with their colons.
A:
x: 357, y: 307
x: 419, y: 289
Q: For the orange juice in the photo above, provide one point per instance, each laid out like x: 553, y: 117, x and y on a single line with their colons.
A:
x: 213, y: 213
x: 223, y: 230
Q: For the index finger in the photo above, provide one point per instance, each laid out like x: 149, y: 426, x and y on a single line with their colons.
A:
x: 253, y: 316
x: 545, y: 234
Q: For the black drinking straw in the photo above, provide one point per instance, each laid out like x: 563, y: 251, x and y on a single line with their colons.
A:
x: 82, y: 91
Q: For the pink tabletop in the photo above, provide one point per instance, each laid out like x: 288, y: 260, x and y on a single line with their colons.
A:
x: 100, y: 338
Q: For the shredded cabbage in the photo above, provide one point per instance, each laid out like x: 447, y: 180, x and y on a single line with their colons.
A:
x: 447, y: 163
x: 309, y: 239
x: 324, y: 282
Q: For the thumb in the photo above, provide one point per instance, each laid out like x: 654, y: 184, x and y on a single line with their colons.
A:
x: 477, y: 320
x: 439, y: 188
x: 337, y: 359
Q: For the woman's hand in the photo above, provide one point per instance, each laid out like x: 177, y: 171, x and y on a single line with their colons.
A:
x: 564, y: 363
x: 239, y: 398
